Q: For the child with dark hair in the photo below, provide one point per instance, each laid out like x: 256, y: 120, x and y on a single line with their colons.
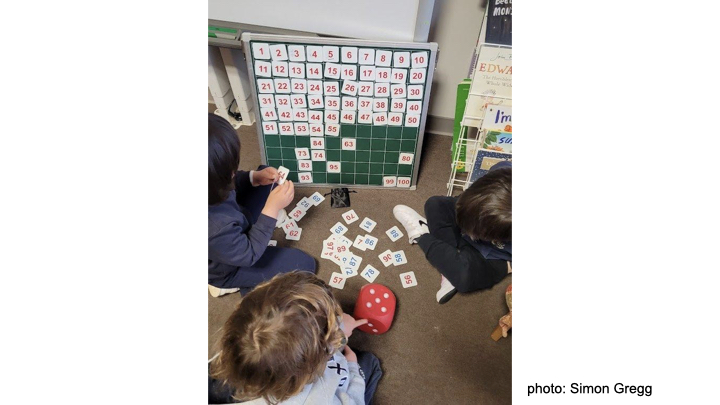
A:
x: 467, y: 238
x: 242, y: 215
x: 287, y: 343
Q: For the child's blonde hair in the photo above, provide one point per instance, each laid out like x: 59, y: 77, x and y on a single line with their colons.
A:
x: 279, y: 338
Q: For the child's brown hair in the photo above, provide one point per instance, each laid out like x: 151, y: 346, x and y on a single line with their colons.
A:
x: 484, y: 210
x: 279, y: 338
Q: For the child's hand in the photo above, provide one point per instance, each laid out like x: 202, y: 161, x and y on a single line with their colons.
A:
x: 265, y: 176
x: 279, y: 198
x: 349, y: 323
x: 350, y: 355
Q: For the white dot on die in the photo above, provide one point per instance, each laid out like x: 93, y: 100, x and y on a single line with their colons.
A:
x: 386, y: 295
x: 372, y: 291
x: 375, y: 330
x: 370, y: 325
x: 377, y: 300
x: 383, y: 309
x: 368, y: 305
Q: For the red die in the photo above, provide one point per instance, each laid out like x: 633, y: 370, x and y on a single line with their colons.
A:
x: 376, y: 303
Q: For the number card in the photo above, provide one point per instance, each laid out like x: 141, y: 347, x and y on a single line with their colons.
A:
x: 408, y: 279
x: 331, y: 88
x: 287, y: 129
x: 382, y: 75
x: 315, y: 54
x: 331, y: 53
x: 349, y: 87
x: 317, y: 143
x: 399, y: 258
x: 333, y: 167
x: 282, y: 174
x: 348, y: 144
x: 297, y: 214
x: 298, y: 101
x: 394, y: 233
x: 296, y: 70
x: 383, y: 58
x: 414, y: 92
x: 267, y: 101
x: 301, y: 128
x: 395, y: 118
x: 401, y: 59
x: 332, y: 70
x: 280, y: 69
x: 349, y: 103
x: 398, y: 91
x: 296, y: 53
x: 389, y: 181
x: 266, y: 86
x: 315, y: 101
x: 318, y: 156
x: 347, y: 117
x: 359, y: 243
x: 305, y: 177
x: 366, y: 89
x: 278, y: 52
x: 301, y: 153
x: 263, y: 69
x: 299, y: 86
x: 348, y: 72
x: 345, y: 241
x: 332, y: 129
x: 365, y: 103
x: 397, y: 105
x: 354, y: 262
x: 349, y: 54
x: 406, y: 158
x: 380, y: 118
x: 366, y: 56
x: 339, y: 229
x: 299, y: 114
x: 350, y: 217
x: 370, y: 273
x: 317, y: 198
x: 282, y: 85
x: 270, y: 128
x: 282, y: 101
x: 331, y: 117
x: 337, y: 280
x: 332, y: 103
x: 403, y: 182
x: 417, y: 75
x: 366, y: 73
x: 370, y: 242
x: 365, y: 118
x: 419, y: 59
x: 368, y: 224
x: 386, y: 258
x: 272, y: 242
x: 316, y: 130
x: 382, y: 90
x: 412, y: 120
x: 260, y: 51
x: 315, y: 117
x: 398, y: 75
x: 314, y: 71
x: 288, y: 225
x: 268, y: 114
x: 414, y: 107
x: 349, y: 271
x: 285, y: 114
x: 380, y: 104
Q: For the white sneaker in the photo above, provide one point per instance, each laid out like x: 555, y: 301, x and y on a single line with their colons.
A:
x: 218, y: 292
x: 415, y: 225
x: 446, y: 291
x: 282, y: 216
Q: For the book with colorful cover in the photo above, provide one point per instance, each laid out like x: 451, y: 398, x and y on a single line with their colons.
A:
x: 499, y: 22
x: 461, y: 99
x: 498, y: 141
x: 493, y: 72
x: 485, y: 160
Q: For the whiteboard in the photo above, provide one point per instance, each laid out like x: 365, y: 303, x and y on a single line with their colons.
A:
x: 397, y: 20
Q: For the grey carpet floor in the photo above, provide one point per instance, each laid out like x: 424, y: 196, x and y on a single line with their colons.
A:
x: 433, y: 354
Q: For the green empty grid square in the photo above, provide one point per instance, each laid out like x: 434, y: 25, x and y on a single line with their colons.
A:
x: 394, y: 132
x: 347, y: 167
x: 361, y: 179
x: 347, y: 155
x: 362, y: 156
x: 362, y: 167
x: 288, y: 153
x: 376, y: 168
x: 390, y: 169
x: 392, y: 145
x: 347, y: 131
x: 375, y: 179
x: 362, y: 144
x: 407, y: 146
x: 333, y: 143
x: 392, y: 157
x: 272, y: 140
x: 319, y: 166
x: 302, y: 142
x: 347, y: 178
x: 377, y: 157
x: 409, y: 133
x: 319, y: 177
x: 364, y: 131
x: 287, y: 141
x: 274, y: 162
x: 333, y: 155
x: 404, y: 170
x: 377, y: 144
x: 333, y: 177
x: 292, y: 176
x: 379, y: 132
x: 274, y: 153
x: 291, y: 164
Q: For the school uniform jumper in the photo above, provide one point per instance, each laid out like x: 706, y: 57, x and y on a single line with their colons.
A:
x: 238, y: 234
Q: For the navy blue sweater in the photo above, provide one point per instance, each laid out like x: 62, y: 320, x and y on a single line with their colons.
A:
x: 233, y: 241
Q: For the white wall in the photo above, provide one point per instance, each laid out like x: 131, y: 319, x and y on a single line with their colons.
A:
x: 455, y: 27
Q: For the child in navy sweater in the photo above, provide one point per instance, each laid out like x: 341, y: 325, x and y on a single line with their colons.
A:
x: 242, y: 214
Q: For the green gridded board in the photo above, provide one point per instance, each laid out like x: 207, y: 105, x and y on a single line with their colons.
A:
x: 321, y: 120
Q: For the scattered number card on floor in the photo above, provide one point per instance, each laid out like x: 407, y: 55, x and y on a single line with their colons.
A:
x: 341, y: 111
